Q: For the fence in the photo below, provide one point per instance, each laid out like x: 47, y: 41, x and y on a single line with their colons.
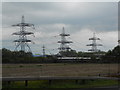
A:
x: 50, y: 79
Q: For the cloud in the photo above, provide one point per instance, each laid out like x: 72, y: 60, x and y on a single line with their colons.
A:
x: 83, y: 14
x: 49, y: 39
x: 81, y: 39
x: 79, y: 19
x: 61, y: 1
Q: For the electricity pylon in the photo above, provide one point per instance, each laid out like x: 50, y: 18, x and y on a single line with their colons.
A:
x: 94, y: 44
x: 64, y: 43
x: 22, y: 42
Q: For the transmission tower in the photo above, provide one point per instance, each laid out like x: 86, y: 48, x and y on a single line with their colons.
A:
x: 64, y: 42
x: 43, y: 50
x: 94, y: 44
x: 22, y: 42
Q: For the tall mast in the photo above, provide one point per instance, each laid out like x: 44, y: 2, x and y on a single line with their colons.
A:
x: 22, y: 42
x: 43, y: 50
x: 118, y: 37
x: 64, y: 43
x: 94, y: 44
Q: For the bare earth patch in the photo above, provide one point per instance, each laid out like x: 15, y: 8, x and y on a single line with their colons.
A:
x: 58, y: 69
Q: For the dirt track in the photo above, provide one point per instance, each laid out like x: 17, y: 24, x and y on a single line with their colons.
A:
x: 59, y: 69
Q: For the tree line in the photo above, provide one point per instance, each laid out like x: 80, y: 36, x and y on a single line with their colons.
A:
x: 22, y: 57
x: 112, y: 56
x: 8, y: 56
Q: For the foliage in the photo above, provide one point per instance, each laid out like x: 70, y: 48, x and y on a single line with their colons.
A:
x: 61, y: 84
x: 112, y: 56
x: 68, y: 53
x: 22, y: 57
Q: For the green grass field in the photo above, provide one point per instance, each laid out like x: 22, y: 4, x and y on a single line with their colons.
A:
x: 62, y: 84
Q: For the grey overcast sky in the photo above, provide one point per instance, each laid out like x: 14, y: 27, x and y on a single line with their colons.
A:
x: 80, y: 19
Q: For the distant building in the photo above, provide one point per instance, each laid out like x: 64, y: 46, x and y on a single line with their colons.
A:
x: 73, y: 58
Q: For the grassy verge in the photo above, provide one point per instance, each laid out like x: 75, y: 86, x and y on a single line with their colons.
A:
x: 61, y: 84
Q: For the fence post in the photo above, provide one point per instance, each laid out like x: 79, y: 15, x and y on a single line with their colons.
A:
x: 9, y: 82
x: 26, y: 83
x: 76, y: 81
x: 50, y: 81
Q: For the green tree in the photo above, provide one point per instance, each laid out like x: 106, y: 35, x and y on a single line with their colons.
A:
x: 113, y: 56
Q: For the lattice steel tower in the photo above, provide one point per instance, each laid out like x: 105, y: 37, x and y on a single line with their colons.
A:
x: 94, y: 43
x: 22, y: 42
x: 64, y: 43
x: 43, y: 48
